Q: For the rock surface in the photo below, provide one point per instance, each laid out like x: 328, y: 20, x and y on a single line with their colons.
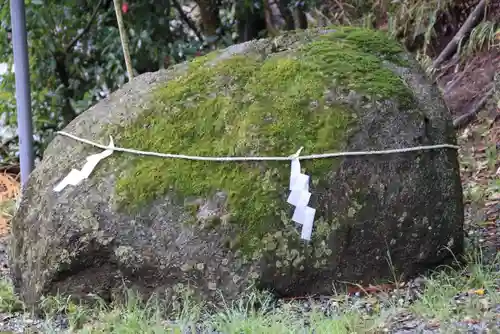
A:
x: 159, y: 225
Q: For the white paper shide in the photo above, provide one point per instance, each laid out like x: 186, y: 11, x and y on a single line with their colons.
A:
x: 76, y: 176
x: 299, y: 197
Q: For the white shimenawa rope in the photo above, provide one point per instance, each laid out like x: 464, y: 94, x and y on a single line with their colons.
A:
x: 283, y: 158
x: 299, y: 183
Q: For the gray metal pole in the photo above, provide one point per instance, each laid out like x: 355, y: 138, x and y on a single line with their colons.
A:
x: 23, y: 94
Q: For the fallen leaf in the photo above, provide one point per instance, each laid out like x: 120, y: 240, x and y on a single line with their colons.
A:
x: 469, y: 320
x: 433, y: 323
x: 479, y: 292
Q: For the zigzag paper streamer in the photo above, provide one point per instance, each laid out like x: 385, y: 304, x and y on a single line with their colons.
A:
x: 299, y: 197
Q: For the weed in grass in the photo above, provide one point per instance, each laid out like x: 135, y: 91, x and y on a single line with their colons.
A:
x: 8, y: 301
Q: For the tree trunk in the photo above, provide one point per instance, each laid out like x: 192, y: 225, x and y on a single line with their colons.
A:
x: 299, y: 17
x: 67, y: 111
x: 278, y: 16
x: 250, y: 22
x: 286, y: 13
x: 210, y: 19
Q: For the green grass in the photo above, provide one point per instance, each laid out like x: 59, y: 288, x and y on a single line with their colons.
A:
x: 435, y: 303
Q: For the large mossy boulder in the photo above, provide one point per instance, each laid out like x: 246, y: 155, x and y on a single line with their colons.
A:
x: 156, y: 224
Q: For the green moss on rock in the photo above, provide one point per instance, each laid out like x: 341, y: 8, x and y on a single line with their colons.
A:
x: 374, y: 42
x: 252, y: 105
